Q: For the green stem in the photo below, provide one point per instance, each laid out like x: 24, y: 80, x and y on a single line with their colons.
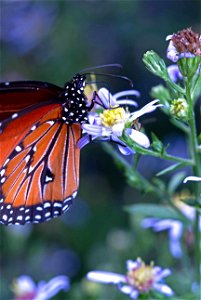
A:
x: 145, y: 151
x: 170, y: 157
x: 196, y: 172
x: 180, y: 125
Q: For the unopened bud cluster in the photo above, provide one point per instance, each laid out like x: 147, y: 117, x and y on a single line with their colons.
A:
x: 179, y: 108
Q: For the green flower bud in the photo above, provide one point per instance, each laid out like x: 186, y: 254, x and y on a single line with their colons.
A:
x: 188, y: 65
x: 179, y: 109
x: 155, y: 64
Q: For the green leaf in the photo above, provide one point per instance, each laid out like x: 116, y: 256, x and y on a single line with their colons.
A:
x: 171, y: 169
x: 153, y: 210
x: 175, y: 181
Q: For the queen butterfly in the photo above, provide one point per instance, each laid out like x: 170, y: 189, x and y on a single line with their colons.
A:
x: 39, y: 156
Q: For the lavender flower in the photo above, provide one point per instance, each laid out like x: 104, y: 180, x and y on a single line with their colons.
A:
x: 174, y: 73
x: 25, y: 289
x: 175, y: 230
x: 110, y: 120
x: 140, y: 279
x: 184, y: 43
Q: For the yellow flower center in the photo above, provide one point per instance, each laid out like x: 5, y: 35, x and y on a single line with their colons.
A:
x: 110, y: 117
x: 141, y: 278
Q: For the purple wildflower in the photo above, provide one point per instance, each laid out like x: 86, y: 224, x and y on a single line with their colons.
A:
x: 174, y: 227
x: 184, y: 43
x: 25, y: 288
x: 175, y: 230
x: 140, y: 279
x: 110, y: 120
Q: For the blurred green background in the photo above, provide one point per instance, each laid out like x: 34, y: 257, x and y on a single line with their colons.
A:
x: 51, y: 41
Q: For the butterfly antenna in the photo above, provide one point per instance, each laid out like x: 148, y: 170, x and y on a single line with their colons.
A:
x: 101, y: 67
x: 113, y: 75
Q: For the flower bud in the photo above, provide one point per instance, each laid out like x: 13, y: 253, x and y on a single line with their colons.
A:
x: 179, y: 109
x: 155, y: 64
x: 185, y: 48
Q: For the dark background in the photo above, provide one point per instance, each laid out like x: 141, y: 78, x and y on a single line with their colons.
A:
x: 51, y: 41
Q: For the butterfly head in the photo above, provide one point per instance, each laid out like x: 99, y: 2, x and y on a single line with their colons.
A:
x: 76, y: 85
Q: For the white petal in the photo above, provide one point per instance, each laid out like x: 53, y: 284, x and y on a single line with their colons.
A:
x: 129, y: 290
x: 126, y: 93
x: 144, y: 110
x: 86, y: 139
x: 168, y: 37
x: 50, y: 289
x: 96, y: 130
x: 175, y: 248
x: 106, y: 99
x: 163, y: 288
x: 24, y: 284
x: 126, y: 289
x: 130, y: 264
x: 118, y: 128
x: 192, y: 178
x: 176, y: 229
x: 160, y: 273
x: 174, y: 73
x: 125, y: 150
x: 138, y: 137
x: 172, y: 53
x: 106, y: 277
x: 127, y: 102
x: 148, y: 222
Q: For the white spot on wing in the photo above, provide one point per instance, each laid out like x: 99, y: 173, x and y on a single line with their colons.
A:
x: 18, y: 148
x: 7, y: 160
x: 48, y: 179
x: 14, y: 116
x: 50, y: 122
x: 2, y: 172
x: 47, y: 204
x: 27, y: 158
x: 33, y: 128
x: 3, y: 180
x: 56, y: 204
x: 5, y: 217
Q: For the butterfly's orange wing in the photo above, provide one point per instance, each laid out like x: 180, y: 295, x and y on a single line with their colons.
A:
x: 39, y: 165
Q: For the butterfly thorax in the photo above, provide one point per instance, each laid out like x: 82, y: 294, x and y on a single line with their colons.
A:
x: 75, y: 107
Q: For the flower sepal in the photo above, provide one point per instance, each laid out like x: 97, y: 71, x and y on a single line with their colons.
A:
x: 188, y: 65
